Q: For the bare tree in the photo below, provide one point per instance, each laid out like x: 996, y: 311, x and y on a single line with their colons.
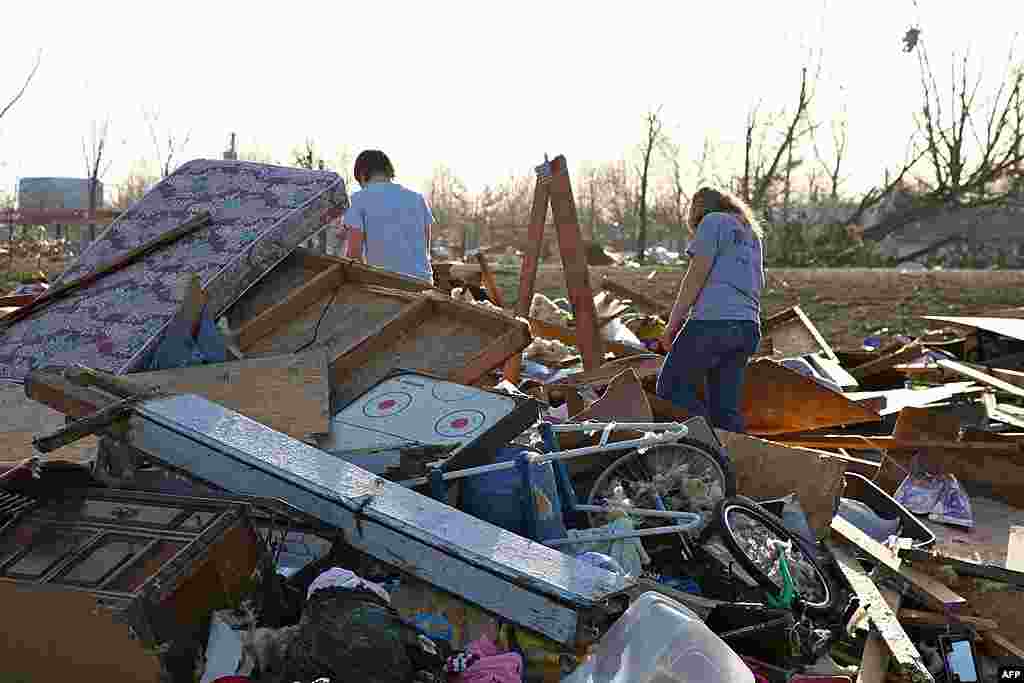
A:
x: 28, y: 79
x: 96, y: 165
x: 833, y: 165
x: 167, y: 143
x: 765, y: 164
x: 450, y: 204
x: 652, y: 139
x: 972, y: 151
x: 306, y: 156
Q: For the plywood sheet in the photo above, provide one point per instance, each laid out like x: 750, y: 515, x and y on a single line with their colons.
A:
x: 286, y: 393
x: 260, y: 213
x: 777, y: 400
x: 792, y: 334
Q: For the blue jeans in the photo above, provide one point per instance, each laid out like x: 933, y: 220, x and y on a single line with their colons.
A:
x: 711, y: 354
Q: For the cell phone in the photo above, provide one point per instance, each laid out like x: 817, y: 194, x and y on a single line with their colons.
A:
x: 959, y: 657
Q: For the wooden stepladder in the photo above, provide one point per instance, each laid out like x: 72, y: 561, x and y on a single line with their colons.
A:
x: 554, y: 189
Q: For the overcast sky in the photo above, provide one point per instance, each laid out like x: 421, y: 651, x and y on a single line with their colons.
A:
x: 484, y: 88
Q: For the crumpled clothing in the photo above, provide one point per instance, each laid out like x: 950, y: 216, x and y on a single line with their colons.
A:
x: 491, y: 664
x: 336, y: 577
x: 628, y: 552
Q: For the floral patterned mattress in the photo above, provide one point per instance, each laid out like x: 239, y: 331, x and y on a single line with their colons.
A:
x: 260, y: 214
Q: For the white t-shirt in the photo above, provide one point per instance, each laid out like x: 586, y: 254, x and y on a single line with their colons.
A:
x: 394, y: 221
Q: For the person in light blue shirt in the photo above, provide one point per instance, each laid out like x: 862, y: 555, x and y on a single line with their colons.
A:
x: 715, y: 326
x: 388, y: 225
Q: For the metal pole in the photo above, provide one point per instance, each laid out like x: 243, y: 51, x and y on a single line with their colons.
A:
x: 540, y: 459
x: 654, y: 531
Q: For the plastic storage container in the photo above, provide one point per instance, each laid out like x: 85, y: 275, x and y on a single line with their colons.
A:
x: 497, y: 497
x: 659, y: 640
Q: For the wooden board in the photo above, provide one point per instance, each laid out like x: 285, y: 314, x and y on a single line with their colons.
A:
x: 885, y: 362
x: 883, y: 618
x: 17, y: 446
x: 897, y: 399
x: 867, y: 544
x: 792, y: 334
x: 286, y: 393
x: 301, y: 267
x: 814, y: 476
x: 434, y: 334
x: 874, y: 663
x: 777, y: 400
x: 914, y: 616
x: 981, y: 377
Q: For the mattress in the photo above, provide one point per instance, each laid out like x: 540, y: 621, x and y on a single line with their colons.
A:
x: 260, y: 214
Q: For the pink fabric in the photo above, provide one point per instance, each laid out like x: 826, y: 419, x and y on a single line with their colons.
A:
x: 493, y: 665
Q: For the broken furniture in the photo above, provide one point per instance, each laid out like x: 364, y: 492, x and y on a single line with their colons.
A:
x: 526, y: 583
x: 117, y: 586
x: 259, y: 214
x: 366, y: 330
x: 408, y: 408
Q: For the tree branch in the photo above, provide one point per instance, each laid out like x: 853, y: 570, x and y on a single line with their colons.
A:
x: 24, y: 87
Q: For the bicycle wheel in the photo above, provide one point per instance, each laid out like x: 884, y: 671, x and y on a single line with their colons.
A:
x: 747, y: 530
x: 687, y: 476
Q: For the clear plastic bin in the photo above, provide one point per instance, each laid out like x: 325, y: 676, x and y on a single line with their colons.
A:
x: 659, y: 640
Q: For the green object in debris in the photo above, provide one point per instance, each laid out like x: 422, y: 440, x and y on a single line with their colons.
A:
x: 788, y: 592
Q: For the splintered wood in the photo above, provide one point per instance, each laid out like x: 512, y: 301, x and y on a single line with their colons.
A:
x: 883, y: 619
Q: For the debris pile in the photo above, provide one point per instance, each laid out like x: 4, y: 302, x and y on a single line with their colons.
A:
x: 232, y: 458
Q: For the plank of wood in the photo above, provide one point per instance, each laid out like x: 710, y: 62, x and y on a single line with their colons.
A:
x: 883, y: 618
x: 16, y: 446
x: 1005, y: 644
x: 509, y: 344
x: 191, y: 225
x: 528, y: 272
x: 935, y: 593
x: 874, y: 664
x: 866, y: 543
x: 856, y: 442
x: 1015, y: 549
x: 981, y: 377
x: 887, y: 361
x: 914, y: 616
x: 574, y: 263
x: 298, y: 300
x: 286, y: 393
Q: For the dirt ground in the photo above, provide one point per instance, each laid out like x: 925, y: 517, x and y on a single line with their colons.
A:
x: 845, y: 304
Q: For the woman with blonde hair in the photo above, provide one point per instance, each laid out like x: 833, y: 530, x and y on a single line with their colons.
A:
x: 715, y: 326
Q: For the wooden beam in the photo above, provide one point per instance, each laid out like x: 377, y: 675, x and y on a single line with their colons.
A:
x: 298, y: 300
x: 855, y: 442
x: 883, y: 618
x: 574, y: 262
x: 1005, y: 644
x: 888, y: 361
x: 914, y: 616
x: 935, y: 593
x: 981, y: 377
x: 874, y: 663
x: 531, y: 260
x: 869, y: 545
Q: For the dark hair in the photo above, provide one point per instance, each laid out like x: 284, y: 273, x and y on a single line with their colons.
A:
x: 371, y: 162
